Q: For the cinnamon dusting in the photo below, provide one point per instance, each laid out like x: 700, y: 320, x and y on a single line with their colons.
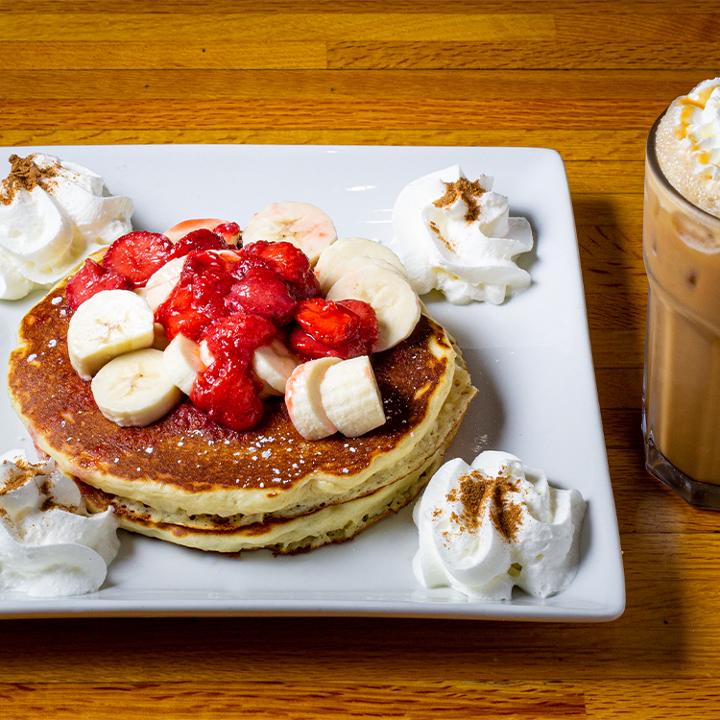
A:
x: 465, y: 190
x: 24, y: 175
x: 477, y: 493
x: 436, y: 230
x: 26, y: 471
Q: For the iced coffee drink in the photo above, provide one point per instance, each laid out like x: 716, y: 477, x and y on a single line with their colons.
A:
x: 681, y: 246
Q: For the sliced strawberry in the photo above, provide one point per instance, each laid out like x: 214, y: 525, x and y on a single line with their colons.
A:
x: 326, y: 321
x: 291, y: 265
x: 238, y: 336
x: 345, y: 329
x: 369, y: 332
x: 262, y: 292
x: 228, y: 395
x: 198, y: 240
x: 306, y: 347
x: 138, y: 255
x: 230, y: 231
x: 198, y: 299
x: 91, y: 279
x: 225, y: 390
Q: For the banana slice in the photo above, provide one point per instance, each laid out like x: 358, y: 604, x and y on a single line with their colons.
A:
x: 273, y: 364
x: 162, y: 282
x: 304, y: 402
x: 332, y: 273
x: 351, y: 398
x: 183, y: 362
x: 110, y: 323
x: 396, y: 304
x: 347, y: 249
x: 304, y: 225
x: 133, y: 390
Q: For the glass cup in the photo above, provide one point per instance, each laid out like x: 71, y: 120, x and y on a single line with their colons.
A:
x: 681, y: 389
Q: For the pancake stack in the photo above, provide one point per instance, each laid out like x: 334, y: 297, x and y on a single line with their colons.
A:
x: 190, y: 481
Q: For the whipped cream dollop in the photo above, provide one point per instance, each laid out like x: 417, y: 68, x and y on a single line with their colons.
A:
x: 53, y: 213
x: 49, y: 544
x: 688, y: 145
x: 489, y: 526
x: 457, y: 236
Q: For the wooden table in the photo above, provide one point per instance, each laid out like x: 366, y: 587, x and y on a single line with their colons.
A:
x: 585, y: 78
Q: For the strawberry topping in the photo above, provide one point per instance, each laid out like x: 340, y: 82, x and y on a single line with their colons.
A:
x: 138, y: 255
x: 327, y: 321
x: 369, y: 331
x: 289, y: 263
x: 262, y: 292
x: 238, y: 336
x: 225, y: 390
x: 198, y: 240
x: 230, y: 231
x: 91, y: 279
x: 345, y: 329
x: 228, y: 395
x: 199, y: 296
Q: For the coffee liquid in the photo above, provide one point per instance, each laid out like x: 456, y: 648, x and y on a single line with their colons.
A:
x: 681, y: 246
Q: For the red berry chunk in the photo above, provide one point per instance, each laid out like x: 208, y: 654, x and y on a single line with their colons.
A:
x: 262, y: 292
x: 228, y: 395
x: 326, y: 321
x: 198, y: 299
x: 230, y: 231
x: 290, y: 264
x: 225, y: 390
x: 198, y: 240
x: 306, y: 347
x: 369, y: 330
x: 345, y: 329
x: 237, y: 337
x: 91, y: 279
x: 138, y: 255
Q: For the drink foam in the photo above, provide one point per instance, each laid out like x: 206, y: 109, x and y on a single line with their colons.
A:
x: 688, y: 146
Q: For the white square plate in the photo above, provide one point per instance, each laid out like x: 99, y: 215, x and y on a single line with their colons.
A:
x: 530, y: 359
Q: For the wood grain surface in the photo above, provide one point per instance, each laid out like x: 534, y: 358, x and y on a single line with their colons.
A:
x: 585, y: 78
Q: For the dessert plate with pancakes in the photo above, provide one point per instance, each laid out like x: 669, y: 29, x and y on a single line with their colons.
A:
x: 220, y: 519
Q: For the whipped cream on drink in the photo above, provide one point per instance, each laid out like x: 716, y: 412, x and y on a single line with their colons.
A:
x: 53, y: 213
x: 489, y: 526
x: 456, y: 235
x: 49, y: 544
x: 688, y: 145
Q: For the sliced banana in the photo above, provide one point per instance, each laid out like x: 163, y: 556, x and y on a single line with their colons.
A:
x: 182, y: 361
x: 396, y: 304
x: 133, y: 390
x: 332, y: 273
x: 351, y: 397
x: 162, y: 282
x: 304, y: 225
x: 110, y: 323
x: 304, y: 402
x: 273, y: 364
x: 346, y: 250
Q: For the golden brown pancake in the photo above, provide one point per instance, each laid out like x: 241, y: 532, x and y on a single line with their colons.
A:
x: 332, y: 523
x: 186, y: 477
